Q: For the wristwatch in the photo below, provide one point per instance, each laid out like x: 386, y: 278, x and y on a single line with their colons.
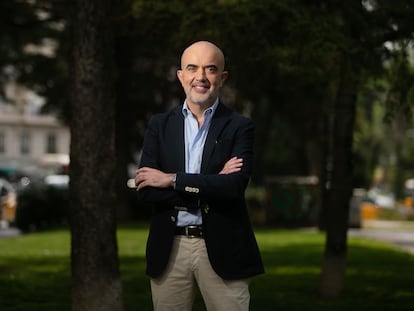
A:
x: 174, y: 178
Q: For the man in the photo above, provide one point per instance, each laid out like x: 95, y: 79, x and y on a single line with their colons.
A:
x: 195, y: 166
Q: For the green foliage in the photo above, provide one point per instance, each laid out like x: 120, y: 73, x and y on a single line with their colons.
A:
x: 384, y: 119
x: 283, y: 56
x: 33, y: 264
x: 34, y: 48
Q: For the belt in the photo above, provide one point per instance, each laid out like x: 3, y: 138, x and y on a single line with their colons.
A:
x: 193, y: 231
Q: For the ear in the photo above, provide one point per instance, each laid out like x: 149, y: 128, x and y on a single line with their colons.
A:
x: 180, y: 75
x: 224, y: 76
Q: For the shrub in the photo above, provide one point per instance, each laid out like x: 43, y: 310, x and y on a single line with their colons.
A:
x: 41, y: 207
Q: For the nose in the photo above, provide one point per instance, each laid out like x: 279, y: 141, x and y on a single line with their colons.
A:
x: 200, y: 74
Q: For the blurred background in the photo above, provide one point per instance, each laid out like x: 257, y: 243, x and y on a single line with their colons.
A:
x: 329, y: 85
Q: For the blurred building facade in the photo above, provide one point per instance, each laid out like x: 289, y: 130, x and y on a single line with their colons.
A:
x: 28, y: 138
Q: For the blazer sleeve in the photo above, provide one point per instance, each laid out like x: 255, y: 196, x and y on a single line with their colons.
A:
x: 212, y: 185
x: 151, y: 157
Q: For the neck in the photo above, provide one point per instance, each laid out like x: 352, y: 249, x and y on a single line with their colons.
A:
x: 198, y: 111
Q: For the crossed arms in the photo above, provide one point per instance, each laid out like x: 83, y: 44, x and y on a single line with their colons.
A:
x: 227, y: 181
x: 146, y: 176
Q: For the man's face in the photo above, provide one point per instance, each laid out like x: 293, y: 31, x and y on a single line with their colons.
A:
x: 202, y: 74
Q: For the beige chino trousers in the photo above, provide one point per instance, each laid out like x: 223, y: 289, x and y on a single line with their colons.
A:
x: 189, y: 265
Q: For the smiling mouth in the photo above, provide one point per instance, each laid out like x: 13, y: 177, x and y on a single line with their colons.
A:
x: 200, y: 88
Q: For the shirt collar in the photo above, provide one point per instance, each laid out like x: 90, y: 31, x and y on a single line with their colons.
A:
x: 209, y: 111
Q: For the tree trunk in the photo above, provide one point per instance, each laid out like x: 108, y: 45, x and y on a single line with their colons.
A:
x: 340, y: 190
x: 125, y: 118
x: 96, y: 283
x: 262, y: 113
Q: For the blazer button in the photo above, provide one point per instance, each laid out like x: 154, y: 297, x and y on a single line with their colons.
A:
x: 172, y: 218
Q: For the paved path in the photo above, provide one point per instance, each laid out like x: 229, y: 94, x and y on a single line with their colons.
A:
x: 8, y: 232
x: 400, y: 234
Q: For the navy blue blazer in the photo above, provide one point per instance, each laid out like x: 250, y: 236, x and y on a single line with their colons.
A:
x: 229, y: 238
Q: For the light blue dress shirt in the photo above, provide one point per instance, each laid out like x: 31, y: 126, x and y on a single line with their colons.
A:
x: 195, y: 139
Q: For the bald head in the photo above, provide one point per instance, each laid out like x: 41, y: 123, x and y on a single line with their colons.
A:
x: 202, y: 74
x: 207, y: 48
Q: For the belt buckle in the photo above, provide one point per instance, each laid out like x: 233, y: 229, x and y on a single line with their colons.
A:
x: 187, y: 234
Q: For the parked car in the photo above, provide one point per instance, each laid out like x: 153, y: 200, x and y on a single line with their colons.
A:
x: 381, y: 198
x: 43, y: 203
x: 8, y: 202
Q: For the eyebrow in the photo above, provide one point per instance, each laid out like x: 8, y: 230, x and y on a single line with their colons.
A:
x: 208, y: 66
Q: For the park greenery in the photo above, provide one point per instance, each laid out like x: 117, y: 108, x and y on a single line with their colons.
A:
x: 328, y: 83
x: 284, y: 59
x: 35, y: 273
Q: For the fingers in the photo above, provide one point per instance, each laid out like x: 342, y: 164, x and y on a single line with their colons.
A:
x: 233, y: 165
x: 146, y: 176
x: 141, y: 177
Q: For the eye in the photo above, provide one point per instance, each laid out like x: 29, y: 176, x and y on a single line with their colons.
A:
x: 212, y: 69
x: 191, y: 68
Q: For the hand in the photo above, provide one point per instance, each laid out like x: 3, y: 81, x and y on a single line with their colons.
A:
x: 233, y: 165
x: 146, y: 176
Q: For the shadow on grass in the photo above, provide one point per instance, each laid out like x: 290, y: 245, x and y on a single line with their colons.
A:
x: 376, y: 279
x: 34, y: 283
x: 378, y: 276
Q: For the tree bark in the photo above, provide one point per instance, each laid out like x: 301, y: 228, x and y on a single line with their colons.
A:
x: 340, y: 190
x: 125, y: 119
x: 96, y: 283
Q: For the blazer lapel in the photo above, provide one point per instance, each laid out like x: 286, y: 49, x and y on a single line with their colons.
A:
x: 220, y: 118
x: 176, y: 140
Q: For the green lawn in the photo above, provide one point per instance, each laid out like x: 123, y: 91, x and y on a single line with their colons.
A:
x: 34, y: 273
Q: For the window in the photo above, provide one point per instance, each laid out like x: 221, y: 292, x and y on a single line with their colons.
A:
x: 25, y: 143
x: 51, y: 143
